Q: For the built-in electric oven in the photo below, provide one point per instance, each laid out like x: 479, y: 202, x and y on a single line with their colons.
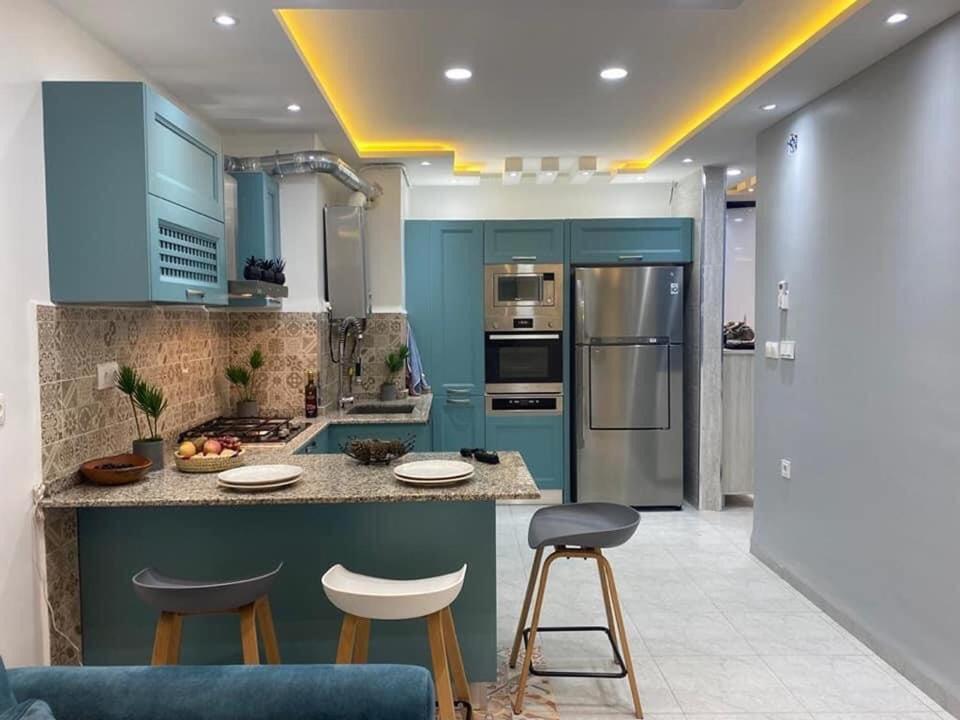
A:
x: 529, y: 292
x: 524, y: 362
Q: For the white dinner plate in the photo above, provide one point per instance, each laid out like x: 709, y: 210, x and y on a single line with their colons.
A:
x: 258, y: 488
x: 437, y: 482
x: 252, y: 475
x: 434, y: 470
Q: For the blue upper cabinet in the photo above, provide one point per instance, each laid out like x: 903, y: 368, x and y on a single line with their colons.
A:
x: 444, y: 291
x: 645, y: 240
x: 184, y: 158
x: 258, y: 217
x: 134, y: 213
x: 518, y: 241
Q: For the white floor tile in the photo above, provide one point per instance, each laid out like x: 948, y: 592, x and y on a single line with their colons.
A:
x: 804, y: 633
x: 667, y: 634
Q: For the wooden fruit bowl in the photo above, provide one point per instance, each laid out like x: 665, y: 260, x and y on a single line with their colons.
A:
x: 200, y: 464
x: 93, y: 471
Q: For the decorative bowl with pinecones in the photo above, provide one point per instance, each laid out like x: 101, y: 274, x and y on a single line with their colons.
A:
x: 370, y: 451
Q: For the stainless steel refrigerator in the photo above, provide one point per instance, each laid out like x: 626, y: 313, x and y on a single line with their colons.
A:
x: 628, y: 385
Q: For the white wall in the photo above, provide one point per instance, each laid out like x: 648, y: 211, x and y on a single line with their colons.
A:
x: 739, y: 279
x: 385, y: 238
x: 36, y: 43
x: 490, y: 201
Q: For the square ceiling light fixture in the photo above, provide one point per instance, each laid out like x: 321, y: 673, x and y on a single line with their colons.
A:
x: 626, y: 176
x: 512, y: 170
x: 549, y: 169
x: 586, y: 168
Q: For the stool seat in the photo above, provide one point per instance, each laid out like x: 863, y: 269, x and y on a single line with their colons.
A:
x: 190, y: 597
x: 589, y: 525
x: 383, y: 599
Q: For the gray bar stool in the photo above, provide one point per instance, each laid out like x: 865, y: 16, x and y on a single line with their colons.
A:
x: 175, y: 598
x: 577, y: 531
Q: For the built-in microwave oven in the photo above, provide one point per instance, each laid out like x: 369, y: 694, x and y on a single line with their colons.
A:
x: 523, y: 297
x: 524, y: 362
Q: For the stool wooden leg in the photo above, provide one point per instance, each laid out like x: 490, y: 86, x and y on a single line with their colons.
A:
x: 248, y: 635
x: 361, y: 645
x: 265, y: 622
x: 441, y: 668
x: 606, y: 601
x: 461, y: 685
x: 624, y: 645
x: 534, y: 624
x: 348, y: 639
x: 176, y: 633
x: 525, y: 610
x: 167, y: 628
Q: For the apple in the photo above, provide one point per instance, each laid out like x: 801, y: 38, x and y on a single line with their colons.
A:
x: 187, y: 450
x: 212, y: 447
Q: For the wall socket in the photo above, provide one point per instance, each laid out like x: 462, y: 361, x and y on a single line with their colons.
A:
x: 107, y: 375
x: 785, y: 467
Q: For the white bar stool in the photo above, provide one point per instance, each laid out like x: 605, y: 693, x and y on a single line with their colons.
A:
x: 363, y: 598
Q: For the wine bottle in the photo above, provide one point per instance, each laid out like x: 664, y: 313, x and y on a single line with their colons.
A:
x: 310, y: 396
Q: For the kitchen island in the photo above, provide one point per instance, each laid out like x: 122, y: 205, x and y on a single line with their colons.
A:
x: 339, y: 512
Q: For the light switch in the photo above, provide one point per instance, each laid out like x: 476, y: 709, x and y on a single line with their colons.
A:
x: 788, y: 349
x: 107, y: 375
x: 772, y: 349
x: 783, y: 295
x: 785, y: 468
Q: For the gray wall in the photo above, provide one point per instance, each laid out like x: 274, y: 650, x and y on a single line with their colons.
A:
x: 864, y: 222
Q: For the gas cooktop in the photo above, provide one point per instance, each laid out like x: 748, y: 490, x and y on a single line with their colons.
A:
x: 250, y: 430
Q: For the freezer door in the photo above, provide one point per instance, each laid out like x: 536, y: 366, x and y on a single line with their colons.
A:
x: 619, y: 304
x: 629, y: 387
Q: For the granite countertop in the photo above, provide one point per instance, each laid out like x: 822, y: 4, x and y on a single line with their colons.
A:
x: 326, y: 479
x: 738, y: 351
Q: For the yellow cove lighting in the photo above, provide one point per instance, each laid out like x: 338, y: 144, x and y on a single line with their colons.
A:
x: 819, y: 23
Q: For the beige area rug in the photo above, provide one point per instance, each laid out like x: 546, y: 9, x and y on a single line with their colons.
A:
x: 539, y: 703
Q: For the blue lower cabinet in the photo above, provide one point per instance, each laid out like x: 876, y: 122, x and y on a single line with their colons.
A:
x: 538, y: 438
x: 457, y: 422
x: 330, y: 439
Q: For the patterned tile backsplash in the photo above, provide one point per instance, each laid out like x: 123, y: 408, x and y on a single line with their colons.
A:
x: 184, y: 351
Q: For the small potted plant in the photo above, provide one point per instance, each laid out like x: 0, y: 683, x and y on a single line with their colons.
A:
x: 266, y: 271
x: 242, y: 379
x: 279, y: 265
x: 396, y: 361
x: 149, y: 400
x: 251, y: 269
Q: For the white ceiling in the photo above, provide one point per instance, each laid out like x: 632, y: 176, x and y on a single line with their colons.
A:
x: 535, y: 89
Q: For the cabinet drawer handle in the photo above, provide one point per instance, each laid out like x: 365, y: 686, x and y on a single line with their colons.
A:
x: 630, y: 257
x: 458, y: 391
x: 195, y: 293
x: 457, y: 401
x: 518, y: 258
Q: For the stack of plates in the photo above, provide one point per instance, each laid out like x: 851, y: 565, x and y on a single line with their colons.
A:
x: 433, y: 473
x: 258, y: 478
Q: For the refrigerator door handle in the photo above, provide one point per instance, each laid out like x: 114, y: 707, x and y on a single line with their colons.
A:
x: 582, y: 403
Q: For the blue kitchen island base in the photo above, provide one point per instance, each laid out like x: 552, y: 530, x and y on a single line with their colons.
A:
x: 389, y: 539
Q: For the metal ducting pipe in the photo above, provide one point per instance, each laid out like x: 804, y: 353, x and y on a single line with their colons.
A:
x: 301, y: 163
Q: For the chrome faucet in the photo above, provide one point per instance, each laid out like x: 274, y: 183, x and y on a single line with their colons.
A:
x: 350, y: 326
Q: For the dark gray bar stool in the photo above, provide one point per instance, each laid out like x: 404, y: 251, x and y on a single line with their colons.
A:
x: 175, y: 597
x: 577, y: 531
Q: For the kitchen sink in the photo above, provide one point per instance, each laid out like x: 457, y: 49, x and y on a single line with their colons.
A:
x: 382, y: 409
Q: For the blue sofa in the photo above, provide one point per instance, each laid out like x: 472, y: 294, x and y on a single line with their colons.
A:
x: 233, y: 692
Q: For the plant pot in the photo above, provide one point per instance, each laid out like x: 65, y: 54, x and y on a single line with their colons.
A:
x: 248, y: 408
x: 268, y: 276
x: 150, y: 449
x: 388, y: 391
x: 252, y: 273
x: 280, y: 278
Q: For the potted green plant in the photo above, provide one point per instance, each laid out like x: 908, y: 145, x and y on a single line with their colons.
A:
x: 149, y: 400
x: 396, y: 361
x: 242, y: 378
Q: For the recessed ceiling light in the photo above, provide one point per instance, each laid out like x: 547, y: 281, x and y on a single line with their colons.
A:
x: 458, y: 73
x: 687, y: 161
x: 749, y: 189
x: 224, y: 20
x: 738, y: 219
x: 897, y: 18
x: 613, y: 73
x: 293, y: 107
x: 734, y: 172
x: 425, y: 163
x: 769, y: 106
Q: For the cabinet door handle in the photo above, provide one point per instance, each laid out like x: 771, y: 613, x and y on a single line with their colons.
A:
x: 195, y: 293
x: 458, y: 401
x: 623, y: 258
x: 519, y: 258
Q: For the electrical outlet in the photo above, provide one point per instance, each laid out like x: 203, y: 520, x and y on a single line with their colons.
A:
x: 788, y: 349
x: 785, y: 467
x: 771, y: 350
x: 3, y: 408
x: 106, y: 375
